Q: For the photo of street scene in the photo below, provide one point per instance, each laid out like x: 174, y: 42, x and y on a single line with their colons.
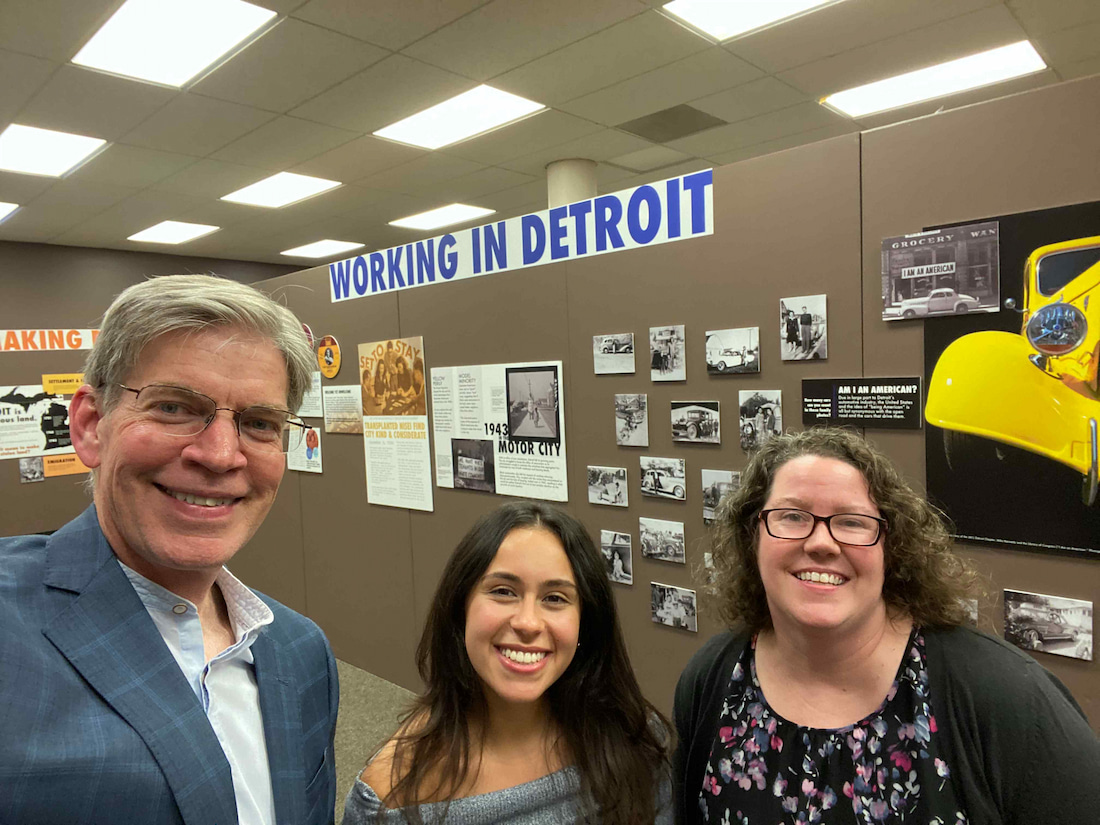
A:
x: 803, y: 328
x: 1050, y: 624
x: 716, y: 483
x: 733, y: 351
x: 474, y: 466
x: 663, y: 477
x: 761, y: 416
x: 615, y: 547
x: 696, y: 421
x: 631, y: 420
x: 613, y: 354
x: 533, y: 413
x: 607, y: 485
x: 662, y: 540
x: 666, y: 353
x: 673, y: 606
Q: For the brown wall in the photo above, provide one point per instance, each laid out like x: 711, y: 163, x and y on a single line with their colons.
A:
x: 804, y: 221
x: 45, y: 286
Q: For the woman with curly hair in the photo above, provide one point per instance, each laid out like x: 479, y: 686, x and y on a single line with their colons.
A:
x: 847, y: 689
x: 531, y: 713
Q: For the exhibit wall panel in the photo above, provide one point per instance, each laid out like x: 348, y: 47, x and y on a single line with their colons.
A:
x: 68, y: 287
x: 785, y: 225
x: 1031, y: 151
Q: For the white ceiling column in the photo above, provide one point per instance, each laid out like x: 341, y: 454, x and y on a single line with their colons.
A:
x: 570, y: 180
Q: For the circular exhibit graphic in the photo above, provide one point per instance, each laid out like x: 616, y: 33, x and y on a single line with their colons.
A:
x: 328, y: 356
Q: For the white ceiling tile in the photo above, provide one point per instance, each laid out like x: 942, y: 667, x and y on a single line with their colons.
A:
x: 962, y: 36
x: 477, y: 184
x: 395, y: 205
x: 211, y: 178
x: 547, y: 128
x: 61, y: 207
x: 421, y: 174
x: 287, y: 66
x: 791, y: 121
x: 195, y: 125
x: 283, y: 142
x: 685, y: 168
x: 533, y: 194
x: 624, y: 50
x: 92, y: 103
x: 132, y: 214
x: 504, y: 34
x: 23, y: 75
x: 386, y: 92
x: 1041, y: 16
x: 1072, y: 45
x: 214, y: 212
x: 131, y: 166
x: 1081, y: 69
x: 15, y: 188
x: 54, y: 29
x: 390, y: 25
x: 645, y: 160
x: 768, y: 147
x: 358, y: 158
x: 708, y: 71
x: 756, y: 98
x: 845, y: 26
x: 601, y: 145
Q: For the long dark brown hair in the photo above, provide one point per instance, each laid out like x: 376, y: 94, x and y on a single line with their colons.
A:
x: 616, y: 739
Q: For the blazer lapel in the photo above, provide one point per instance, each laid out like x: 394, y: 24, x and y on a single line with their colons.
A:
x: 109, y: 638
x: 282, y: 731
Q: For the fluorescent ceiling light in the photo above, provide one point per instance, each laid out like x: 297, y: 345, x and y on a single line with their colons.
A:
x: 6, y: 209
x: 443, y: 216
x: 170, y: 41
x: 281, y: 189
x: 723, y: 19
x: 983, y: 69
x: 173, y: 232
x: 321, y: 249
x: 35, y: 151
x: 466, y: 115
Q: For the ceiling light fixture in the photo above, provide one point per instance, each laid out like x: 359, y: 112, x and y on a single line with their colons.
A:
x: 321, y: 249
x: 722, y: 19
x: 468, y: 114
x: 6, y: 209
x: 170, y: 41
x: 34, y: 151
x: 443, y: 216
x: 173, y: 232
x: 972, y: 72
x: 281, y: 189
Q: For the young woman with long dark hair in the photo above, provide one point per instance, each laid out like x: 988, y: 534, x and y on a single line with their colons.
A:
x: 532, y: 713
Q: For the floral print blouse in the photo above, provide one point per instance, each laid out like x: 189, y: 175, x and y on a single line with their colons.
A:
x: 886, y: 768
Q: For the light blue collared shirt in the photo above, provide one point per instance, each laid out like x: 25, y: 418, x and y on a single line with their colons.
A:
x: 226, y: 685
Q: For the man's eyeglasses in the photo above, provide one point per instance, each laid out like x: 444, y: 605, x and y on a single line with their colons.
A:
x: 180, y: 412
x: 854, y: 529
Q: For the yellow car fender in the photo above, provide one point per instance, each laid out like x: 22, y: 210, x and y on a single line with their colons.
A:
x: 984, y: 384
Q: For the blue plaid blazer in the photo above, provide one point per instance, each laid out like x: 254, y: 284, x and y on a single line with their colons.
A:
x: 97, y: 723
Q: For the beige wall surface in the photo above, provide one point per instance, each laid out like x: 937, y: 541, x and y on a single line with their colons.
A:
x: 805, y: 221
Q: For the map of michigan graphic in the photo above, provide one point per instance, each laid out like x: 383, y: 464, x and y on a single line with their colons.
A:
x: 25, y: 401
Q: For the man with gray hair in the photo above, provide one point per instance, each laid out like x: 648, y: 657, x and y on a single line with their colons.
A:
x: 140, y: 681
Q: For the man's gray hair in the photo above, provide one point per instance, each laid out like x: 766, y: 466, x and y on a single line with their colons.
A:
x: 145, y: 311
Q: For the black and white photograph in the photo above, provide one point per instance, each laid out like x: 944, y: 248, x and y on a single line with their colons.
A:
x: 667, y: 353
x: 673, y: 606
x: 946, y: 271
x: 1050, y: 624
x: 733, y: 351
x: 607, y: 485
x: 613, y: 354
x: 716, y: 483
x: 761, y: 416
x: 533, y: 412
x: 615, y: 547
x: 31, y: 470
x: 696, y: 422
x: 631, y: 420
x: 663, y: 477
x: 662, y: 540
x: 474, y: 467
x: 803, y: 328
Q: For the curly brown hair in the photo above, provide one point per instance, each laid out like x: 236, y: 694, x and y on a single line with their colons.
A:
x: 923, y: 578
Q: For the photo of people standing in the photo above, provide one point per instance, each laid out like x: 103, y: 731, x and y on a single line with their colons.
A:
x: 803, y: 328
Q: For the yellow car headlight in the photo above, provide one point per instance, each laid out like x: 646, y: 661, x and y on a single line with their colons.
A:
x: 1057, y: 329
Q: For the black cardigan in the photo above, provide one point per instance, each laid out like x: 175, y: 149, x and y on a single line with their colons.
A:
x: 1019, y: 746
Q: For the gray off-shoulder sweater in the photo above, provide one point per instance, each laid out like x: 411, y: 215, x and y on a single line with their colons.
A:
x: 549, y: 800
